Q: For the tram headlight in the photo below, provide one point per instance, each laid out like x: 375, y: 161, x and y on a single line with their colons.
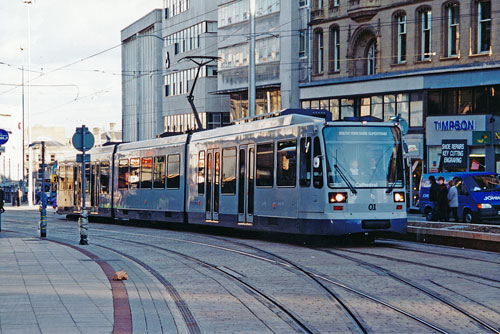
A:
x: 337, y: 197
x: 399, y: 197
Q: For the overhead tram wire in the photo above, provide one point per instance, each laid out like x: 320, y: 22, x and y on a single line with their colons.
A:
x: 293, y: 32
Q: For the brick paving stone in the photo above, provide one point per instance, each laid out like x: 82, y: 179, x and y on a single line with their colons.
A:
x: 40, y: 290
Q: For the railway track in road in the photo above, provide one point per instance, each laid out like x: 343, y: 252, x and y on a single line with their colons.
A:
x: 324, y: 282
x: 319, y: 279
x: 420, y: 287
x: 299, y: 324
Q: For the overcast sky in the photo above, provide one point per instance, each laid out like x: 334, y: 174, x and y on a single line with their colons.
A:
x: 65, y: 32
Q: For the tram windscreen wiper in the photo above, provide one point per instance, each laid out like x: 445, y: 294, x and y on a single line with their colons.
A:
x: 392, y: 186
x: 342, y: 175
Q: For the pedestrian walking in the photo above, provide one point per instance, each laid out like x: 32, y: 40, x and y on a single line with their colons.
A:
x: 453, y: 199
x: 442, y: 200
x: 19, y: 196
x: 2, y: 199
x: 433, y: 194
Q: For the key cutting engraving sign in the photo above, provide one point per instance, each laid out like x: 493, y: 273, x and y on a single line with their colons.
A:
x: 454, y: 153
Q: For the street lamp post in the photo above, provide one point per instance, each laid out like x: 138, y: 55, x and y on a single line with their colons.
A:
x: 30, y: 150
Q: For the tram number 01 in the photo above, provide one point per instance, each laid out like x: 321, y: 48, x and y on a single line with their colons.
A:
x: 372, y: 207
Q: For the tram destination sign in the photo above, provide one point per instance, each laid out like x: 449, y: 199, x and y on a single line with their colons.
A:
x: 454, y: 153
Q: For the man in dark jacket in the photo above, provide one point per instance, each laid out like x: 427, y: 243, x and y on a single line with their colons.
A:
x: 2, y: 199
x: 442, y: 200
x: 433, y: 197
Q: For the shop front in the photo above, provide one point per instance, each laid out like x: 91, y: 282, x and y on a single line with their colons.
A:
x: 462, y: 143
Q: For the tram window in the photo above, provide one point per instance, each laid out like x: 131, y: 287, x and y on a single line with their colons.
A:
x: 123, y: 174
x: 173, y: 171
x: 305, y: 162
x: 104, y: 177
x: 159, y: 173
x: 63, y: 180
x: 146, y: 172
x: 201, y: 172
x: 88, y: 176
x: 265, y: 165
x: 318, y: 168
x: 135, y: 167
x: 228, y: 171
x: 70, y: 178
x: 286, y: 164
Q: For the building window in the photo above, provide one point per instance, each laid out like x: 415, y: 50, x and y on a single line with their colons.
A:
x: 424, y: 33
x: 400, y: 43
x: 334, y: 55
x: 371, y: 59
x: 318, y: 51
x: 484, y: 26
x: 302, y: 43
x: 452, y: 29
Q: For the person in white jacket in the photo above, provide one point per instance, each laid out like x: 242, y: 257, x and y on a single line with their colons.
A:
x: 453, y: 199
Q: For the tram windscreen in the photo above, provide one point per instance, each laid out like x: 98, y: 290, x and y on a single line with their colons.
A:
x: 367, y: 157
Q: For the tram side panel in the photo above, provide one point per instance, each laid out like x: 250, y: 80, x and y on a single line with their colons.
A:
x: 149, y: 183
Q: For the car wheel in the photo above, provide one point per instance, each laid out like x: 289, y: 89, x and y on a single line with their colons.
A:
x: 468, y: 217
x: 428, y: 213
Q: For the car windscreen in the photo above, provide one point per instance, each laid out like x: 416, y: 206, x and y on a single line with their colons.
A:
x: 488, y: 182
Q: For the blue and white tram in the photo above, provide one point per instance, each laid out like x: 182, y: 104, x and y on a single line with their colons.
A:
x: 291, y: 174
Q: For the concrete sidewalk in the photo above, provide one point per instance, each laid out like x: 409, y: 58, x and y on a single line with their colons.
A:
x: 48, y: 287
x: 484, y: 236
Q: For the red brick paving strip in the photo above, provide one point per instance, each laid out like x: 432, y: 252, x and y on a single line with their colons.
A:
x: 122, y: 316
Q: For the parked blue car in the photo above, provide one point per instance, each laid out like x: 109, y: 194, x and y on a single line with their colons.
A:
x: 478, y: 195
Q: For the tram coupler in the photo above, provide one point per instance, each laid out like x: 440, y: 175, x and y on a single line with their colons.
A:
x: 83, y: 221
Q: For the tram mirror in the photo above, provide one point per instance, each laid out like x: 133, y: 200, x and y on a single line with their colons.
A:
x: 317, y: 162
x: 405, y: 148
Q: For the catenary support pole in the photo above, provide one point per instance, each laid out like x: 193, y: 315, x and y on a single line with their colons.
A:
x: 43, y: 211
x: 251, y: 70
x: 83, y: 221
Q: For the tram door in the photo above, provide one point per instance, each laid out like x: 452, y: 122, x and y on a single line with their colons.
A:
x: 213, y: 179
x: 246, y: 184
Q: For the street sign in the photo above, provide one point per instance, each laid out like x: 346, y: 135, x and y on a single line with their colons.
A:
x: 83, y: 136
x: 79, y: 158
x: 4, y: 136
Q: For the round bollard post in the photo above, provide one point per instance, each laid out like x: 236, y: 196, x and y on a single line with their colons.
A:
x: 43, y: 222
x: 84, y: 227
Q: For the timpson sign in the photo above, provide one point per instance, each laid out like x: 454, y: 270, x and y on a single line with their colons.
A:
x: 456, y: 127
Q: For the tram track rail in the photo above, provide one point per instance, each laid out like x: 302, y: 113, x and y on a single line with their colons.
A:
x: 314, y: 276
x: 278, y: 260
x: 305, y: 328
x: 419, y: 287
x: 409, y: 249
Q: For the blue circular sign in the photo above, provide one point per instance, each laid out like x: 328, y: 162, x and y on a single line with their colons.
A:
x: 4, y: 136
